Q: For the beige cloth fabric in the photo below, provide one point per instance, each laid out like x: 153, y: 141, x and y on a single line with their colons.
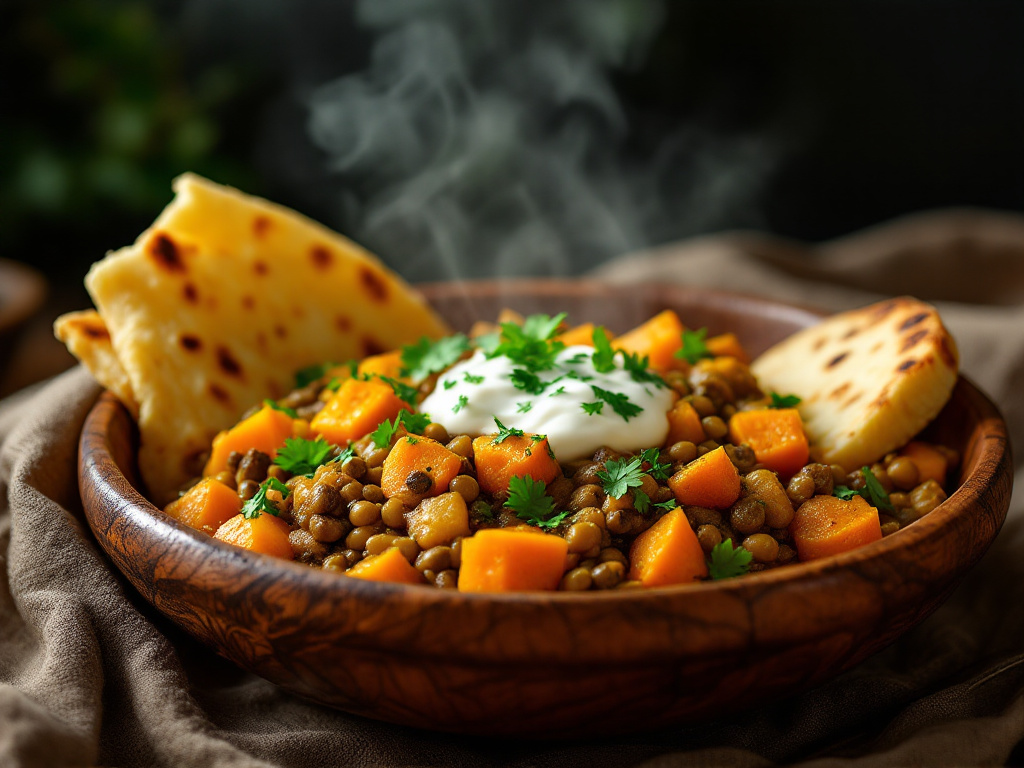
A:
x: 90, y: 674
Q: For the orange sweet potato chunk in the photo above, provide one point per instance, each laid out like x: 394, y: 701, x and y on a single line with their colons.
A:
x: 826, y: 525
x: 206, y: 506
x: 667, y: 553
x: 438, y: 520
x: 502, y: 560
x: 930, y: 463
x: 265, y: 431
x: 516, y: 455
x: 684, y: 424
x: 356, y: 409
x: 709, y: 481
x: 657, y: 339
x: 267, y: 534
x: 580, y: 335
x: 414, y: 453
x: 387, y: 364
x: 727, y: 345
x: 775, y: 435
x: 389, y: 565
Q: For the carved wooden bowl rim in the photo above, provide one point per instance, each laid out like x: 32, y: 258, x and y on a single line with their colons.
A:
x: 644, y: 616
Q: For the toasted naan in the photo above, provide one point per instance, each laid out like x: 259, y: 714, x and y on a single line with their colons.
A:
x: 216, y: 306
x: 88, y: 339
x: 869, y: 379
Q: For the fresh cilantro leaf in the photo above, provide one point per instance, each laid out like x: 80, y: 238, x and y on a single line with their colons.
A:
x: 524, y: 406
x: 469, y: 378
x: 530, y: 345
x: 845, y: 493
x: 876, y: 495
x: 414, y: 422
x: 619, y: 475
x: 283, y: 409
x: 726, y: 562
x: 306, y: 376
x: 668, y: 506
x: 449, y: 383
x: 346, y: 454
x: 694, y: 347
x: 402, y: 390
x: 259, y: 503
x: 640, y: 370
x: 592, y: 408
x: 604, y: 356
x: 505, y: 432
x: 482, y: 510
x: 559, y: 391
x: 425, y: 357
x: 334, y: 385
x: 641, y: 501
x: 579, y: 357
x: 488, y: 342
x: 527, y: 498
x: 783, y: 401
x: 578, y: 376
x: 386, y: 430
x: 463, y: 402
x: 620, y: 403
x: 527, y: 381
x: 658, y: 470
x: 302, y: 457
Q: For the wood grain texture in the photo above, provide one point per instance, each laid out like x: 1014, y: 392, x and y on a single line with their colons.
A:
x: 551, y: 665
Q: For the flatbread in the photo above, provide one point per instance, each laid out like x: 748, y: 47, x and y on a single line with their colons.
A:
x: 218, y: 304
x: 869, y: 379
x: 88, y: 339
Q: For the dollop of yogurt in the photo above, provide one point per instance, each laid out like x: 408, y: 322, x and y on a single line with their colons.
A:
x: 471, y: 393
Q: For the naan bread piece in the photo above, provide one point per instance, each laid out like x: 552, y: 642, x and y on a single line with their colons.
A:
x: 87, y: 338
x: 218, y: 304
x: 869, y: 379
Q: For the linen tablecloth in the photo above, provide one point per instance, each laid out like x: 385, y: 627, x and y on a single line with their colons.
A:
x: 91, y: 675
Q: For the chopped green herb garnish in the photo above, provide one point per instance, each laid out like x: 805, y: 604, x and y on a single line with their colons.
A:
x: 694, y: 348
x: 619, y: 475
x: 527, y: 498
x: 488, y: 342
x: 530, y: 345
x: 592, y: 409
x: 505, y: 432
x: 259, y: 503
x: 579, y: 357
x: 578, y: 376
x: 425, y: 357
x: 463, y: 402
x: 283, y: 409
x: 640, y: 370
x: 641, y: 501
x: 784, y: 401
x: 619, y: 402
x: 524, y: 406
x: 334, y: 385
x: 306, y: 376
x: 559, y: 391
x: 414, y: 423
x: 527, y: 381
x: 402, y: 390
x: 604, y: 356
x: 844, y: 492
x: 449, y: 383
x: 668, y: 506
x: 872, y: 492
x: 302, y: 457
x: 726, y: 562
x: 469, y: 378
x: 658, y: 470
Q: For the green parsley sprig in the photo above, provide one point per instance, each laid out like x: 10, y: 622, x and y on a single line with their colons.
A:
x: 659, y: 470
x: 259, y: 503
x: 528, y: 499
x: 414, y: 423
x: 283, y: 409
x: 784, y: 401
x: 694, y: 348
x: 603, y: 358
x: 426, y: 357
x: 619, y: 402
x: 530, y: 345
x: 619, y: 475
x: 505, y: 432
x: 872, y: 492
x: 725, y: 562
x: 303, y: 457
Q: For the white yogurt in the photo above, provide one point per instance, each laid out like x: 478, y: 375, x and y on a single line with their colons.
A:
x: 473, y: 392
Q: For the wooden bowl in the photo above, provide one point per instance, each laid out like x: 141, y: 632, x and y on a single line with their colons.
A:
x: 555, y: 665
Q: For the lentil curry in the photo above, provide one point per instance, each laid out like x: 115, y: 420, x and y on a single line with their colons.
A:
x: 414, y: 466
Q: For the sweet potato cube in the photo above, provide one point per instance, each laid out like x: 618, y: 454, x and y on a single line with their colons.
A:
x: 709, y: 481
x: 684, y: 424
x: 356, y: 409
x: 667, y: 553
x: 727, y: 345
x: 580, y: 335
x: 438, y: 520
x: 775, y: 435
x: 503, y: 560
x: 930, y: 463
x: 206, y: 506
x: 265, y: 431
x: 658, y: 339
x: 267, y: 534
x: 516, y: 455
x: 826, y: 525
x: 412, y: 461
x: 387, y: 364
x: 389, y: 565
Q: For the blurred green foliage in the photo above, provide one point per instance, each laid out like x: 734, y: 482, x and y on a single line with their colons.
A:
x: 99, y: 116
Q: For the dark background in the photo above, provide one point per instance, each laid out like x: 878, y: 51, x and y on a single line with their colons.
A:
x: 628, y: 122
